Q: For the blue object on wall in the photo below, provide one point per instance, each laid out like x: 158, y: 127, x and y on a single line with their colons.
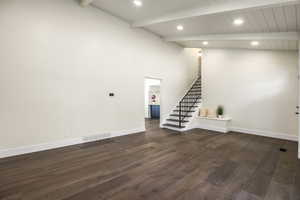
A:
x: 155, y: 111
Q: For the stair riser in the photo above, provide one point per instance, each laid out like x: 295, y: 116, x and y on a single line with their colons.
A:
x: 187, y: 107
x: 192, y: 98
x: 176, y: 123
x: 189, y: 102
x: 173, y: 125
x: 185, y: 103
x: 175, y: 129
x: 177, y: 115
x: 184, y: 111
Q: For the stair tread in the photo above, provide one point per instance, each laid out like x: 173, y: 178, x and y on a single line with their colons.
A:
x: 190, y: 101
x: 188, y: 106
x: 177, y: 115
x: 186, y: 99
x: 191, y: 98
x: 173, y: 125
x: 185, y: 111
x: 177, y: 120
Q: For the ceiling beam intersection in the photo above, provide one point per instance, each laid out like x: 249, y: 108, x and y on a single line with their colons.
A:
x: 242, y: 36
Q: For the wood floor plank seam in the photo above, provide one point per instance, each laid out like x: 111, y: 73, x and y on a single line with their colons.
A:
x: 158, y: 164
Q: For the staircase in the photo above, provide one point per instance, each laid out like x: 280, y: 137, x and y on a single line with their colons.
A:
x: 185, y: 110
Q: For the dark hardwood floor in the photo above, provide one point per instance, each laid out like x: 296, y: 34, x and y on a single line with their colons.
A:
x: 156, y: 165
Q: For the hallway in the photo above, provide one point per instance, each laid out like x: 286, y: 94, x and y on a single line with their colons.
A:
x: 151, y: 124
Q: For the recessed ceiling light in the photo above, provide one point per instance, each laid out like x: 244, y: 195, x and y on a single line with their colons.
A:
x: 179, y: 27
x: 138, y: 3
x: 254, y: 43
x: 238, y: 22
x: 205, y: 43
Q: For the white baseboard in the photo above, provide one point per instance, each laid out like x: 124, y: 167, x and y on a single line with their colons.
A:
x: 212, y: 128
x: 283, y: 136
x: 63, y: 143
x: 174, y: 129
x: 249, y: 131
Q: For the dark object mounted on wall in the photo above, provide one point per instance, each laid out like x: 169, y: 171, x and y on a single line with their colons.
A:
x: 283, y: 150
x: 111, y: 94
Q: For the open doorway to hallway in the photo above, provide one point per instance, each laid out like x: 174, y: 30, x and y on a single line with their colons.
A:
x: 152, y: 102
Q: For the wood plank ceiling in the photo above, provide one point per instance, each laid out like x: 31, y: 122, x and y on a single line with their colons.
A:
x: 199, y: 18
x: 279, y: 19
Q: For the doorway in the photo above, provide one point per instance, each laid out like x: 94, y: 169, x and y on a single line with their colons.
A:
x: 152, y: 102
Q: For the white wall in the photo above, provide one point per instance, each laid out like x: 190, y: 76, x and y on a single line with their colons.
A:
x: 258, y: 89
x: 59, y: 61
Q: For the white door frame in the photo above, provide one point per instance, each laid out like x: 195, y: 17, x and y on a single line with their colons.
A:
x: 299, y: 98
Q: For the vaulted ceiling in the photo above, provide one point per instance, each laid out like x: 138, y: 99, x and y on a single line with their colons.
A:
x: 272, y: 24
